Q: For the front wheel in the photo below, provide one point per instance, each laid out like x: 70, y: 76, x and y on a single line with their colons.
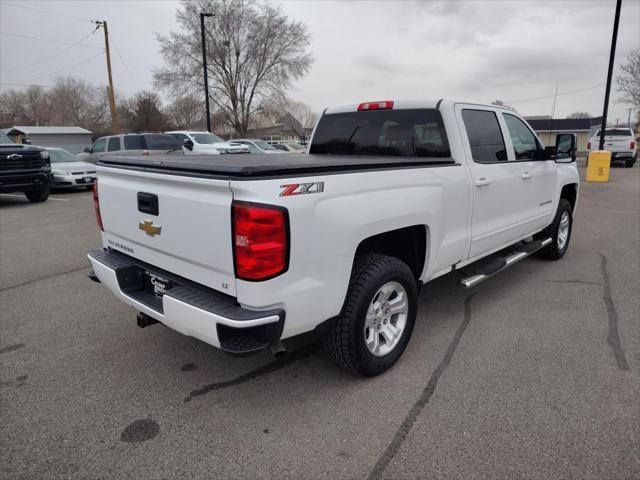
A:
x: 38, y: 196
x: 559, y: 231
x: 377, y: 319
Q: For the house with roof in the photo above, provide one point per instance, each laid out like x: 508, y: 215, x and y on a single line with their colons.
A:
x: 74, y: 139
x: 548, y: 128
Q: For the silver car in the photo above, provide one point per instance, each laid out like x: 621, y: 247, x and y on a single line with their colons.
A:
x: 68, y: 171
x: 131, y: 144
x: 257, y: 146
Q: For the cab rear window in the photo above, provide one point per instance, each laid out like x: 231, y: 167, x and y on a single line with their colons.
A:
x: 404, y: 133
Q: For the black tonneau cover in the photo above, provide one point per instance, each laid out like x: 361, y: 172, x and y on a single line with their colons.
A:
x: 260, y: 165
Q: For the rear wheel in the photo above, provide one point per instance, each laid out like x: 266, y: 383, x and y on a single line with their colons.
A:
x: 38, y: 196
x: 559, y: 231
x: 629, y: 162
x: 377, y: 319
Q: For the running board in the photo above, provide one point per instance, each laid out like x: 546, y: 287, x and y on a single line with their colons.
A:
x: 489, y: 269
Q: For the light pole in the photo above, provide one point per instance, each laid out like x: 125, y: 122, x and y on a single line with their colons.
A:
x: 204, y: 66
x: 612, y: 56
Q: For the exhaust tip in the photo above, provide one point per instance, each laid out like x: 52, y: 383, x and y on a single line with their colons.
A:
x: 278, y: 349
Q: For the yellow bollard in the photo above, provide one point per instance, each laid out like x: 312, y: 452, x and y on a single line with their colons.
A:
x: 598, y: 166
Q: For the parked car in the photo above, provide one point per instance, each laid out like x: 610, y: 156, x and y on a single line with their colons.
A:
x: 620, y: 142
x: 257, y: 146
x: 392, y: 195
x: 290, y: 147
x: 68, y: 171
x: 131, y: 144
x: 24, y: 168
x: 205, y: 143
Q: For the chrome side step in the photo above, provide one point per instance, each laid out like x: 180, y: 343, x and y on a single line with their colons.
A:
x: 496, y: 266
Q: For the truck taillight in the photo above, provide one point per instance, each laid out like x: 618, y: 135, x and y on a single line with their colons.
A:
x: 96, y: 204
x: 632, y: 145
x: 260, y: 238
x: 588, y: 145
x: 384, y: 105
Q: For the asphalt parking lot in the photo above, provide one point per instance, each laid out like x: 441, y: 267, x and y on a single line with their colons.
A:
x: 533, y: 374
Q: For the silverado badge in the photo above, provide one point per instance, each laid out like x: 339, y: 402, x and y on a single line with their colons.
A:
x: 149, y: 228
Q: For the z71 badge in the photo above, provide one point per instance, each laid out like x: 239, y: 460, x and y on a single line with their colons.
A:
x: 301, y: 188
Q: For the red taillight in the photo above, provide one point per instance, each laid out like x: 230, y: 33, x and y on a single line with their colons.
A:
x: 588, y: 145
x: 260, y: 241
x: 632, y: 145
x: 384, y: 105
x: 96, y: 204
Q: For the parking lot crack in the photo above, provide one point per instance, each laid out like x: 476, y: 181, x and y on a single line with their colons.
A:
x: 24, y: 284
x: 424, y: 398
x: 613, y: 337
x: 277, y: 364
x: 11, y: 348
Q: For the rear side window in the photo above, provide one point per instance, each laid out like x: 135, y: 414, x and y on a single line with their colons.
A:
x: 485, y: 136
x: 524, y: 142
x: 405, y: 133
x: 133, y: 142
x: 159, y: 141
x: 114, y: 144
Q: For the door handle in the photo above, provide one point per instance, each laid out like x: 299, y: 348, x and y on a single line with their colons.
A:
x: 482, y: 182
x: 527, y: 175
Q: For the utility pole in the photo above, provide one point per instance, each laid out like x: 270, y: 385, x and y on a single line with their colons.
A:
x: 204, y: 66
x: 112, y: 95
x: 612, y: 55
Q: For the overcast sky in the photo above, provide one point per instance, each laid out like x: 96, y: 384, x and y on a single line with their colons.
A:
x: 364, y: 50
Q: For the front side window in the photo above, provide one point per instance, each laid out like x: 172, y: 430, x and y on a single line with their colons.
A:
x: 264, y: 145
x: 485, y: 136
x: 98, y: 146
x: 402, y: 132
x: 524, y: 142
x: 114, y: 144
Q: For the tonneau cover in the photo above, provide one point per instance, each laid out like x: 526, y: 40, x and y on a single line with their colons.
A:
x: 253, y: 165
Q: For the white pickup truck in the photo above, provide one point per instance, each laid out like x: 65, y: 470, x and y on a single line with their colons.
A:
x: 244, y: 251
x: 620, y: 141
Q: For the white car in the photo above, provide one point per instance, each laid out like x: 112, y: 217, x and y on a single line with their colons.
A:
x: 68, y: 171
x: 245, y: 252
x: 620, y: 141
x: 205, y: 143
x: 258, y: 146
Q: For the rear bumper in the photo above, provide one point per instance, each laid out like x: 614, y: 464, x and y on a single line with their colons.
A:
x: 186, y: 307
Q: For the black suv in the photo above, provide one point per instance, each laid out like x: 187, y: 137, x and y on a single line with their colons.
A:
x: 24, y: 168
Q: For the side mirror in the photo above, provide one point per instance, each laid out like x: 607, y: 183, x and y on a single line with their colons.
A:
x: 26, y: 141
x: 565, y: 148
x: 87, y: 150
x: 188, y: 143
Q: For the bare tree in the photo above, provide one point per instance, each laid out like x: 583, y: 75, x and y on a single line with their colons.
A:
x: 76, y: 102
x: 185, y: 113
x: 628, y: 83
x: 254, y: 52
x: 580, y: 115
x: 144, y: 113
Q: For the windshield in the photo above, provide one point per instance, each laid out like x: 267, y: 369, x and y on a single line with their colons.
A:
x: 206, y: 138
x: 263, y: 145
x: 408, y: 133
x: 59, y: 156
x: 4, y: 139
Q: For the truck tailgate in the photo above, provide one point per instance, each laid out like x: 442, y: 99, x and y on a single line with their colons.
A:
x: 617, y: 143
x: 189, y: 236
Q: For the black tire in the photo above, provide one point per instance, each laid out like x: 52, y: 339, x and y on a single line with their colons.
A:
x: 629, y: 162
x: 553, y: 251
x: 38, y: 196
x: 345, y: 341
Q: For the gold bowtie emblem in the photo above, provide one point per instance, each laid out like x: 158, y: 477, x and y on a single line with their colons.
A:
x: 149, y: 228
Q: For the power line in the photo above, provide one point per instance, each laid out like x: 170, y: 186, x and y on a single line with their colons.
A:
x: 135, y: 84
x: 25, y: 85
x: 24, y: 67
x: 47, y: 12
x: 67, y: 68
x: 552, y: 96
x: 48, y: 40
